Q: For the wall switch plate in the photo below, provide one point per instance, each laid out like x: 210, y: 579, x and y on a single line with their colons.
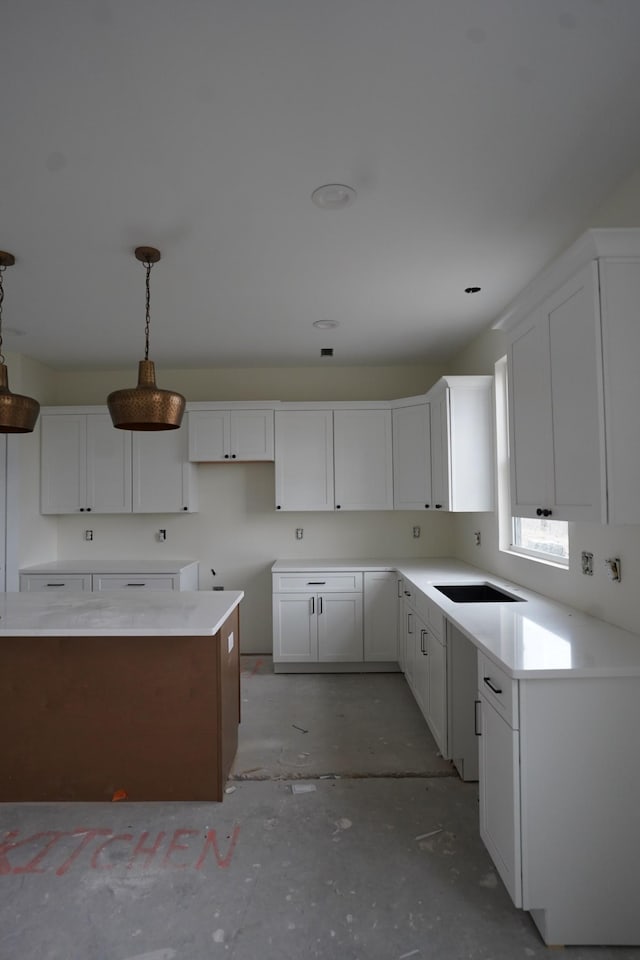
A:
x: 299, y: 533
x: 416, y: 532
x: 477, y: 537
x: 162, y: 535
x: 586, y: 559
x: 613, y: 567
x: 88, y: 534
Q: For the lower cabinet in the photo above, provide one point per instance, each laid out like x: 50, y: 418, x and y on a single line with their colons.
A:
x: 558, y: 806
x: 342, y: 617
x: 179, y: 577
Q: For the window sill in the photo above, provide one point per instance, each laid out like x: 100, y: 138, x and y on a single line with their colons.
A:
x: 536, y: 558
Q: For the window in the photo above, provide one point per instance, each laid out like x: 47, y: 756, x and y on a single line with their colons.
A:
x: 546, y: 540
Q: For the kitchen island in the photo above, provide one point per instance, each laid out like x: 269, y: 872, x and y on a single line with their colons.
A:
x: 118, y: 695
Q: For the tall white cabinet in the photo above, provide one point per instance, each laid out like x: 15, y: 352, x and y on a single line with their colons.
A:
x: 574, y: 392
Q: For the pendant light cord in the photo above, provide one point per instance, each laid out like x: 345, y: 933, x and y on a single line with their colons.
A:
x: 148, y: 265
x: 2, y: 270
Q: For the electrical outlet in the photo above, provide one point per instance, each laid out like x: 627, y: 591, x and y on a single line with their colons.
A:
x: 416, y: 532
x: 299, y: 533
x: 613, y: 567
x: 88, y: 534
x: 162, y: 535
x: 586, y: 560
x: 477, y: 537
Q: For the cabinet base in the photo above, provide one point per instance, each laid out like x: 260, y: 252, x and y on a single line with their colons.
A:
x: 357, y: 667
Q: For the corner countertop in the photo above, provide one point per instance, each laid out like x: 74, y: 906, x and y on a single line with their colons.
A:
x: 535, y: 639
x: 135, y: 567
x: 117, y: 613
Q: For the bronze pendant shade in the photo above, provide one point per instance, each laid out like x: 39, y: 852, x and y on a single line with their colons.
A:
x: 18, y: 414
x: 145, y: 406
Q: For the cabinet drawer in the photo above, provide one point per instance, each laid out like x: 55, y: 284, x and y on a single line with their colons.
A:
x: 40, y: 583
x: 431, y: 613
x: 499, y: 689
x: 317, y: 582
x: 112, y: 582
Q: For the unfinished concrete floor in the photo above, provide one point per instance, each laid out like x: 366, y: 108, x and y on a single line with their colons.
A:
x: 359, y: 868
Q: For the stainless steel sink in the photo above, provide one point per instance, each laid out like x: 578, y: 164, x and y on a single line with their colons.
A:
x: 476, y: 593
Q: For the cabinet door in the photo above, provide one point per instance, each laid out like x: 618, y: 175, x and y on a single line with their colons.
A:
x: 421, y: 667
x: 363, y: 459
x: 295, y: 636
x: 339, y: 620
x: 380, y: 616
x: 411, y: 457
x: 500, y: 797
x: 63, y: 476
x: 161, y: 473
x: 438, y: 409
x: 251, y: 434
x: 108, y: 466
x: 208, y: 435
x: 573, y: 319
x: 437, y: 692
x: 304, y: 459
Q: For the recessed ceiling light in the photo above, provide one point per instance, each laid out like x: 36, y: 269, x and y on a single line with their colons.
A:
x: 326, y: 324
x: 472, y: 289
x: 333, y: 196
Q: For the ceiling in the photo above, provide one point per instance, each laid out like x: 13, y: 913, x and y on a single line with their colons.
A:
x: 478, y: 135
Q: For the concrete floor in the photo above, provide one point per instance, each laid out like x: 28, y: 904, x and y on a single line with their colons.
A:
x: 362, y: 867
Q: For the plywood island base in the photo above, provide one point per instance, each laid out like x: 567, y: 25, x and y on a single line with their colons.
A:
x: 100, y: 717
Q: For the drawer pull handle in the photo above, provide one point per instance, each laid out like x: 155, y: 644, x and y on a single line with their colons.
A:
x: 316, y: 583
x: 423, y: 635
x: 491, y: 686
x: 320, y: 610
x: 56, y: 584
x: 136, y: 584
x: 476, y: 728
x: 400, y: 589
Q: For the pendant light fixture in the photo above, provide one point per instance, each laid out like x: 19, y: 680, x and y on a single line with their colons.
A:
x: 146, y: 407
x: 18, y: 414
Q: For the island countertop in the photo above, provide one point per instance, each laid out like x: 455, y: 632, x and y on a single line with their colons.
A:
x: 116, y: 613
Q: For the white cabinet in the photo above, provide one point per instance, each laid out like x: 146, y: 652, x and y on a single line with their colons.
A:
x: 412, y: 457
x: 163, y: 479
x: 574, y: 392
x: 218, y: 435
x: 380, y: 621
x: 555, y: 402
x: 60, y: 576
x: 67, y: 583
x: 86, y: 464
x: 317, y: 618
x: 363, y: 462
x: 461, y: 419
x: 304, y: 459
x: 333, y: 459
x: 89, y: 466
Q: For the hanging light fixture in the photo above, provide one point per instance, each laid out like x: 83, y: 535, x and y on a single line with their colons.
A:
x: 146, y: 407
x: 18, y: 414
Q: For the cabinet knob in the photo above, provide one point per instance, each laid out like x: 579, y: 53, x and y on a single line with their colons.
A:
x: 233, y: 456
x: 539, y: 512
x: 337, y: 506
x: 546, y: 513
x: 185, y: 508
x: 438, y: 506
x: 278, y: 507
x: 426, y: 506
x: 226, y: 456
x: 88, y: 509
x: 81, y: 509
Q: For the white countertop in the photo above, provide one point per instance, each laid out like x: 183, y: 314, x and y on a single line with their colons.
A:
x: 136, y: 567
x: 116, y: 613
x: 537, y: 638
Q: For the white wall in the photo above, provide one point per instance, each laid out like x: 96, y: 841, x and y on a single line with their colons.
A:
x: 597, y: 595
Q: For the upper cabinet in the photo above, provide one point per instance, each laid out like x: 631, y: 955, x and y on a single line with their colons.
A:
x: 334, y: 459
x: 555, y: 401
x: 412, y: 456
x: 304, y: 459
x: 574, y: 393
x: 461, y: 418
x: 89, y: 466
x: 363, y: 465
x: 217, y: 435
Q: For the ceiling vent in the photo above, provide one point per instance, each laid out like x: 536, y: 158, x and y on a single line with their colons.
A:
x: 326, y: 351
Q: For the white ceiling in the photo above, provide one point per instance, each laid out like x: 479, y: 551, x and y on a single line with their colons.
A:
x: 478, y: 134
